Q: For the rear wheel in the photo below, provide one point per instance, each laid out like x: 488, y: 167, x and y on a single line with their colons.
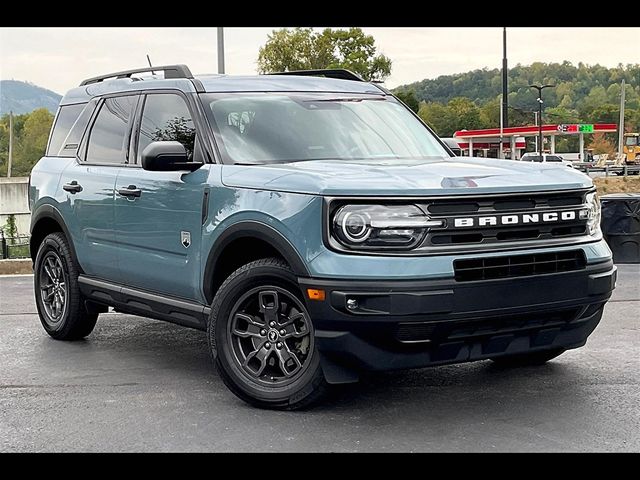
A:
x: 528, y: 359
x: 262, y: 338
x: 58, y: 299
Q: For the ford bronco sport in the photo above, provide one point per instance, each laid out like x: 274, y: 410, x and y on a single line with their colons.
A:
x: 312, y: 225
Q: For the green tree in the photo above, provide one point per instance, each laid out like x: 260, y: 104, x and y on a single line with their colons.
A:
x: 306, y: 49
x: 30, y: 136
x: 438, y: 117
x: 410, y: 99
x: 580, y: 89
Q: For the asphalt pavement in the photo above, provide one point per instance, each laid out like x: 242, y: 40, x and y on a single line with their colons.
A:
x: 142, y: 385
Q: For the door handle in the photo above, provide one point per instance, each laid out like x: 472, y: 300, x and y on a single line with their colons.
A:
x: 73, y: 187
x: 130, y: 191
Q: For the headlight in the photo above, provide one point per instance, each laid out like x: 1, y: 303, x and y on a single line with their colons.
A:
x: 371, y: 227
x: 593, y: 218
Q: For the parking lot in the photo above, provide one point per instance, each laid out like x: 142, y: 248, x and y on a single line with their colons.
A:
x: 141, y: 385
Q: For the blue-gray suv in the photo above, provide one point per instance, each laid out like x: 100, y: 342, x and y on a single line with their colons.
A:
x: 312, y: 225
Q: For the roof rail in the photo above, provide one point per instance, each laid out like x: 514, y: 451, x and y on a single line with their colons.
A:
x: 340, y: 73
x: 170, y: 71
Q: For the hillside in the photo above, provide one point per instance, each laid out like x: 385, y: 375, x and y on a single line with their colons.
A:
x: 23, y: 97
x: 578, y: 88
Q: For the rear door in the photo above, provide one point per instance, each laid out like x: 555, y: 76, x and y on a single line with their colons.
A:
x: 158, y: 228
x: 89, y: 185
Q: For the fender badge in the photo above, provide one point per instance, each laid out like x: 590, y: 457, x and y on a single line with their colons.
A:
x: 185, y: 239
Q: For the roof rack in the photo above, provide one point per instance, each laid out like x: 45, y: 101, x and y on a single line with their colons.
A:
x: 170, y: 71
x: 340, y: 73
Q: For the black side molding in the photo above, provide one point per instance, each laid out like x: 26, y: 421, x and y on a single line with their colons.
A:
x: 146, y: 304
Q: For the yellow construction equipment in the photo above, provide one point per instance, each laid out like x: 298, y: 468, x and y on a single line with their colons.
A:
x: 632, y: 148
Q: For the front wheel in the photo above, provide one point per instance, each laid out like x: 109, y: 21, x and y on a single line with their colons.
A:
x: 528, y: 359
x: 262, y: 339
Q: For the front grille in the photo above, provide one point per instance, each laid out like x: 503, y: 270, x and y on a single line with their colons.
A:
x: 489, y: 268
x: 489, y: 206
x: 442, y: 331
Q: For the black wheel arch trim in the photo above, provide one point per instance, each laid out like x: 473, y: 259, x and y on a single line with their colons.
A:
x: 251, y: 229
x: 49, y: 211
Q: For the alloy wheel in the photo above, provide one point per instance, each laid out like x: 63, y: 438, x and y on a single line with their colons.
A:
x: 271, y: 335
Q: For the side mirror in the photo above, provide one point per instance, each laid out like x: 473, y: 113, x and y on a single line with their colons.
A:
x: 167, y: 156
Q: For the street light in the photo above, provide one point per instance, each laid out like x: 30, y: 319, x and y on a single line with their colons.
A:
x: 540, y: 102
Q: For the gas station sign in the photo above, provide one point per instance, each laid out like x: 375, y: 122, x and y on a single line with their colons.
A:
x: 576, y: 128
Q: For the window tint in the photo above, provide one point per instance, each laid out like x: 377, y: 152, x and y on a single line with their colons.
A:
x: 107, y: 141
x: 553, y: 158
x: 67, y: 116
x: 166, y: 117
x: 71, y: 143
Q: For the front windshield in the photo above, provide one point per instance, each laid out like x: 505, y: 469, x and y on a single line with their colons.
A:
x: 553, y: 158
x: 631, y: 141
x: 259, y: 128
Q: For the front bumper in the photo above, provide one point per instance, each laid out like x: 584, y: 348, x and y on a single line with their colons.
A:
x: 409, y: 324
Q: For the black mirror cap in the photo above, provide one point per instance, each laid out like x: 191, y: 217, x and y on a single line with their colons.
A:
x: 167, y: 156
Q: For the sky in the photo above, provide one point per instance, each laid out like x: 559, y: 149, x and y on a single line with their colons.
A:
x: 60, y: 58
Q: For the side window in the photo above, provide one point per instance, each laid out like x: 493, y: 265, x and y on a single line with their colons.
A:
x: 108, y: 138
x: 71, y: 143
x: 66, y: 118
x: 166, y: 117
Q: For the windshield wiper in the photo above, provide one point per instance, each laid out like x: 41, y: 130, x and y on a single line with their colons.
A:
x: 344, y: 99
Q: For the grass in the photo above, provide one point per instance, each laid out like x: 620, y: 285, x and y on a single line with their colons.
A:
x: 606, y: 185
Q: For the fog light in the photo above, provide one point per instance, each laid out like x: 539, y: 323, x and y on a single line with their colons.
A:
x: 352, y: 304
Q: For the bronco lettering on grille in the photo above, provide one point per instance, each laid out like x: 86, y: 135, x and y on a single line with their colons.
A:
x: 518, y: 219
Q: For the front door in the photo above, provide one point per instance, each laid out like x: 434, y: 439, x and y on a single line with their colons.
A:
x: 158, y: 215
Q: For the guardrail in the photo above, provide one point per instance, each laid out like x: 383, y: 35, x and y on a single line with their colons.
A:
x: 608, y: 170
x: 14, y: 247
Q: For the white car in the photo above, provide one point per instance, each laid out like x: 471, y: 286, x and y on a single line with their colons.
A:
x: 546, y: 157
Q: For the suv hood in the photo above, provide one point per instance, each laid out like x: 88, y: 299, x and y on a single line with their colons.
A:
x: 456, y: 175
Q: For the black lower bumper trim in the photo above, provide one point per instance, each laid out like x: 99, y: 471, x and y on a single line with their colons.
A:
x: 354, y: 352
x: 388, y: 325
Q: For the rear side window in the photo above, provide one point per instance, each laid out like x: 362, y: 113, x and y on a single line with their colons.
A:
x: 108, y: 140
x: 66, y: 118
x: 71, y: 143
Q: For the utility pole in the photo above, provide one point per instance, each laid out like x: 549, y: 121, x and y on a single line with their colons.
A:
x: 535, y: 119
x: 505, y: 92
x: 500, y: 151
x: 621, y: 121
x: 10, y: 144
x: 220, y: 50
x: 540, y: 102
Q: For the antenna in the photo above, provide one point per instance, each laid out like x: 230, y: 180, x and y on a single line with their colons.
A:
x: 151, y: 66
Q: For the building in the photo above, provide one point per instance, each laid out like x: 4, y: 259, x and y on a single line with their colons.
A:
x: 485, y: 142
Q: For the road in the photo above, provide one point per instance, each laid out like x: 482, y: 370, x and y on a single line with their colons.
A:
x: 142, y: 385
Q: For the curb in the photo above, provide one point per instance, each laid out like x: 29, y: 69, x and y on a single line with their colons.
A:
x: 16, y: 266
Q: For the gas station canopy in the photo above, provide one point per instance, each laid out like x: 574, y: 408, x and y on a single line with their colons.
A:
x: 513, y: 138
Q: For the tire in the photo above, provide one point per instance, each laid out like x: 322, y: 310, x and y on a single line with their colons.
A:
x: 252, y: 308
x: 54, y: 263
x: 528, y: 359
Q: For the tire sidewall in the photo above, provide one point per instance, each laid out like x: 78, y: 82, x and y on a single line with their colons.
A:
x: 220, y: 341
x: 51, y: 243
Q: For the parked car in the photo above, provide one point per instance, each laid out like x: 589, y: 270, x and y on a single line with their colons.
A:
x: 453, y: 145
x: 546, y: 157
x: 314, y: 228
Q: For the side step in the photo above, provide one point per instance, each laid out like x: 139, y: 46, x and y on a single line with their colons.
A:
x: 145, y: 304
